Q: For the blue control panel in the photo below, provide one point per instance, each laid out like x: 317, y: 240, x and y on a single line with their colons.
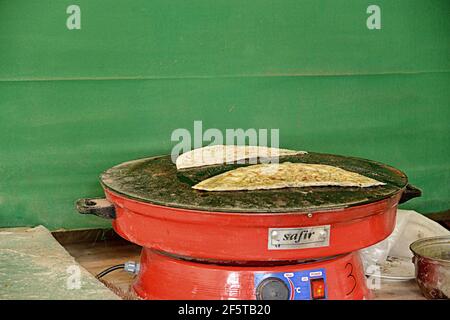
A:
x: 296, y: 285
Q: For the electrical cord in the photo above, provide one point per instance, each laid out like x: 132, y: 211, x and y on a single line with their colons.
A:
x: 110, y: 269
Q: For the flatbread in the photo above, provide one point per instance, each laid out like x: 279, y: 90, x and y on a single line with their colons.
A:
x: 220, y: 154
x: 284, y: 175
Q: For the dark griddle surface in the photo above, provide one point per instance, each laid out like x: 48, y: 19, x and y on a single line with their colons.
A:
x: 155, y: 180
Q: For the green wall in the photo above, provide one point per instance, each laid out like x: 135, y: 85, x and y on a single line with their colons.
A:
x: 75, y: 102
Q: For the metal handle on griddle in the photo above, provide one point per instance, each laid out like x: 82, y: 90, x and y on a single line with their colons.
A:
x: 409, y: 193
x: 96, y: 206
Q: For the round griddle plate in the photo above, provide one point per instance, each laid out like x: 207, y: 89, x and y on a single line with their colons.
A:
x: 154, y: 180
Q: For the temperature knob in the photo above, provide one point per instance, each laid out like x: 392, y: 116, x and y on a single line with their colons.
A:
x: 272, y: 289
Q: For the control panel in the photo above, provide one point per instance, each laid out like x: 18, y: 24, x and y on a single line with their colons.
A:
x: 296, y: 285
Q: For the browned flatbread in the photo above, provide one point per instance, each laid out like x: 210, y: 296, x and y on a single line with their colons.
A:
x: 284, y: 175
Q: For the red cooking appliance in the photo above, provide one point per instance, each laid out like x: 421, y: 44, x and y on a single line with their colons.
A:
x: 291, y: 243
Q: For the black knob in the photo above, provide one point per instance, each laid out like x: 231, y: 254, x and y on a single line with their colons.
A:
x: 272, y: 289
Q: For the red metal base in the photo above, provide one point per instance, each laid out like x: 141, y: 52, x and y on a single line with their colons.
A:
x: 247, y: 265
x: 165, y: 277
x: 244, y: 237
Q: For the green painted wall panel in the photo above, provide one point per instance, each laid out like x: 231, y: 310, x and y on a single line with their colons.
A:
x: 57, y: 136
x: 75, y: 102
x: 203, y: 38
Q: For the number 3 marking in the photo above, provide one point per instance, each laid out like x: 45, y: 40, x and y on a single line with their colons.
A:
x: 350, y: 275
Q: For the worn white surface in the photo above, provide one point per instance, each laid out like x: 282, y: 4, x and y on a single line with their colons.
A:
x: 33, y: 265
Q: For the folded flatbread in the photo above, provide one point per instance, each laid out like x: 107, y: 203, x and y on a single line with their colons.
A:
x: 284, y: 175
x: 220, y: 154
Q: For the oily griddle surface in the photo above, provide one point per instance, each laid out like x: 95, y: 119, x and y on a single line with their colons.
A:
x: 156, y: 180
